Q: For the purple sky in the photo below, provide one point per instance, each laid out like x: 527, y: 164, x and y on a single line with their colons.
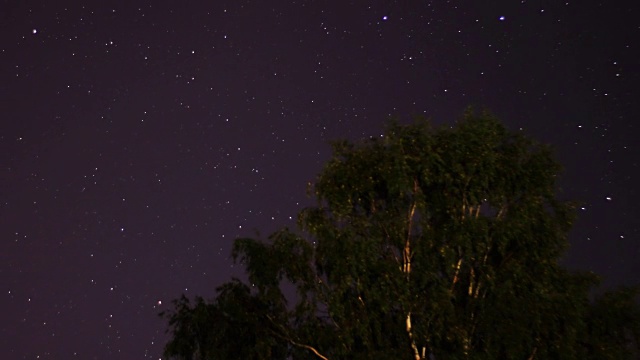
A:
x: 138, y: 139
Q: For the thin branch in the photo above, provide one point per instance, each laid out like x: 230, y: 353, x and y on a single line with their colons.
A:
x: 310, y: 348
x: 455, y: 275
x: 477, y: 291
x: 486, y: 255
x: 407, y: 244
x: 471, y: 281
x: 391, y: 249
x: 293, y: 342
x: 502, y: 211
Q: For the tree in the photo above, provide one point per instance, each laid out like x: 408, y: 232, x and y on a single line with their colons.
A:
x: 424, y: 244
x: 613, y: 326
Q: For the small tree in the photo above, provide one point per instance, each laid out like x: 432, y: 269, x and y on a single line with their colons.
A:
x: 424, y: 244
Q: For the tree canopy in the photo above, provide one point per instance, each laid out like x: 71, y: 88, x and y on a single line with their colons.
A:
x: 425, y: 243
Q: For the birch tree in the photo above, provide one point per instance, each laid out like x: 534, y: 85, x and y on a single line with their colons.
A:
x: 424, y: 243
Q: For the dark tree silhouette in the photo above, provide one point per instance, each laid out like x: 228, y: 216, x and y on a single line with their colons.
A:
x: 424, y: 244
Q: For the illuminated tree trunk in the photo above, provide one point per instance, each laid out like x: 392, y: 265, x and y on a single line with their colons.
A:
x: 406, y: 268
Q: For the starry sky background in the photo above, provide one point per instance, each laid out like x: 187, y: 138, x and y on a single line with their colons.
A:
x: 138, y: 139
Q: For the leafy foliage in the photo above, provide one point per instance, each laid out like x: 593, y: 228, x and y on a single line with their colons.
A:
x: 425, y: 244
x: 613, y: 327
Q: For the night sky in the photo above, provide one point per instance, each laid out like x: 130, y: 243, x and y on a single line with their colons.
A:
x: 138, y: 139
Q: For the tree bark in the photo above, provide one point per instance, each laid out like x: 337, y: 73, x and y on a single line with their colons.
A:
x: 406, y: 268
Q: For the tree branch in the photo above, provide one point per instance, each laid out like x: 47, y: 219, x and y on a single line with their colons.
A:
x: 310, y: 348
x: 406, y: 254
x: 413, y: 342
x: 407, y: 266
x: 293, y: 342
